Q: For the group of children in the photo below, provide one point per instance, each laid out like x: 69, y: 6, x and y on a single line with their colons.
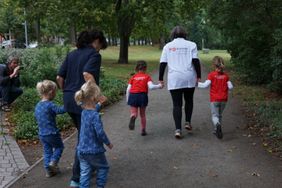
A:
x: 92, y: 136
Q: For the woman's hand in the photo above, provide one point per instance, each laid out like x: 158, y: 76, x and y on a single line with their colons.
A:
x: 162, y: 83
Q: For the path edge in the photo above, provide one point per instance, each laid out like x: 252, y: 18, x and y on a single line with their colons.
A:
x: 25, y: 172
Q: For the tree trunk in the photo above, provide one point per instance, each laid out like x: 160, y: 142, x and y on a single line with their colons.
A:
x: 37, y: 30
x: 125, y: 21
x: 123, y: 52
x: 162, y: 42
x: 72, y: 33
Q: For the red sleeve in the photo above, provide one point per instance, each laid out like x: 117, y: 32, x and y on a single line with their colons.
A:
x: 227, y: 77
x: 210, y: 76
x: 149, y: 79
x: 130, y: 80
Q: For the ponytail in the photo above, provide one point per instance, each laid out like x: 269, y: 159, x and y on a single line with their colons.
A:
x: 218, y: 62
x: 79, y: 97
x: 89, y: 91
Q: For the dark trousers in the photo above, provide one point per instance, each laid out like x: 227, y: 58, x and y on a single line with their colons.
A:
x: 76, y: 166
x: 177, y: 98
x: 10, y: 93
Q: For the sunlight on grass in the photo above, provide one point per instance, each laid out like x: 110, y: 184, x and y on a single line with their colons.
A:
x: 149, y: 54
x: 206, y: 59
x: 110, y: 57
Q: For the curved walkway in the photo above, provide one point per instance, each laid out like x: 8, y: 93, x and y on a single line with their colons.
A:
x: 160, y: 161
x: 12, y: 161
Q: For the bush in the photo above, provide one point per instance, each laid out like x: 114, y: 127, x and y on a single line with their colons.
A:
x: 38, y: 64
x: 254, y: 42
x: 23, y: 115
x: 112, y: 88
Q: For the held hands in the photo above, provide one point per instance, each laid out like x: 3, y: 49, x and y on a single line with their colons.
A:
x: 110, y: 146
x: 103, y: 99
x: 198, y: 80
x: 162, y: 84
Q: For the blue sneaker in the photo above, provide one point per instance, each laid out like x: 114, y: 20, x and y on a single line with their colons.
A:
x: 74, y: 184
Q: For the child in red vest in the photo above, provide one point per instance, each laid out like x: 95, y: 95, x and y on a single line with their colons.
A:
x: 137, y: 95
x: 220, y: 85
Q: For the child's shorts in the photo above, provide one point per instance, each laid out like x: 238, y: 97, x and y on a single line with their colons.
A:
x: 138, y: 99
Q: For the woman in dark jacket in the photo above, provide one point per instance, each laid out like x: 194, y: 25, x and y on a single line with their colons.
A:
x: 80, y: 66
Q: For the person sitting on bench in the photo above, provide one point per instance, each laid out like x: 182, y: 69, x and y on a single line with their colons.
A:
x: 9, y: 82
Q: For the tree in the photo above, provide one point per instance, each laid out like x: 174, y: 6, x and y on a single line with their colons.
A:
x: 253, y: 33
x: 126, y: 11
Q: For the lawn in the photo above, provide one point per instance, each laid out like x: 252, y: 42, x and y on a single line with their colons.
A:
x: 110, y: 56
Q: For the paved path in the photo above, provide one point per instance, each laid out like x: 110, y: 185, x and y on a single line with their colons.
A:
x: 160, y: 161
x: 12, y: 161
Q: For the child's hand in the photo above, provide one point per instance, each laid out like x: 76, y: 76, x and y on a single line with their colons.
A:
x: 103, y: 99
x: 110, y: 146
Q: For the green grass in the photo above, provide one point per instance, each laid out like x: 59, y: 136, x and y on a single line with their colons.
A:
x: 206, y: 59
x: 110, y: 56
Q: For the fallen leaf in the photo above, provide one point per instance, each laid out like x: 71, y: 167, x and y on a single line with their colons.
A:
x: 255, y: 174
x: 265, y: 144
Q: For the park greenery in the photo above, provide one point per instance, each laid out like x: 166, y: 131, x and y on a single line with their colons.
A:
x: 250, y: 31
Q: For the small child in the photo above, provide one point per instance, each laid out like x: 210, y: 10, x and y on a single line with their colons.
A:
x: 91, y: 152
x: 49, y: 134
x: 220, y: 84
x: 137, y: 95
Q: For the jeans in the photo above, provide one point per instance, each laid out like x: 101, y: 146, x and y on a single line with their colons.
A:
x: 90, y: 163
x: 216, y: 111
x: 76, y: 167
x: 177, y: 98
x: 53, y: 148
x: 10, y: 93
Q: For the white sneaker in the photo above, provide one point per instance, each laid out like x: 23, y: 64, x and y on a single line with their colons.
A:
x: 177, y: 134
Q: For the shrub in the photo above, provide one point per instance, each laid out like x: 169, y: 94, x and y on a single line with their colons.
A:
x: 23, y: 115
x: 112, y: 88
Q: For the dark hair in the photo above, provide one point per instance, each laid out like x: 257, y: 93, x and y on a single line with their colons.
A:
x: 141, y: 66
x: 218, y: 62
x: 85, y: 38
x: 178, y: 32
x: 13, y: 58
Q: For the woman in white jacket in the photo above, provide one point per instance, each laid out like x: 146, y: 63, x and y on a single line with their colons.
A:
x: 181, y: 57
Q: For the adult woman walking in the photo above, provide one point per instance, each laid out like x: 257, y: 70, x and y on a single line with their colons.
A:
x: 80, y: 66
x: 184, y: 70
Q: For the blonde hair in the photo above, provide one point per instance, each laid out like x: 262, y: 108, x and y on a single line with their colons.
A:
x: 46, y: 87
x: 218, y: 62
x: 89, y: 91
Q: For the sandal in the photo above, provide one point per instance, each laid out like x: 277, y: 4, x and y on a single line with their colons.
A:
x: 188, y: 126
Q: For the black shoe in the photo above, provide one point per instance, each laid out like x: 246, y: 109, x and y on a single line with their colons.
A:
x: 218, y: 132
x: 143, y: 132
x: 132, y: 123
x: 53, y: 167
x: 49, y: 174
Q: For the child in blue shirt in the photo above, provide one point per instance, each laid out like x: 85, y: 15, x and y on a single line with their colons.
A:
x: 91, y: 151
x: 49, y: 134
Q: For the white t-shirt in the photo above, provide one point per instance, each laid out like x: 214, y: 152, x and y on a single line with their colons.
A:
x: 178, y: 55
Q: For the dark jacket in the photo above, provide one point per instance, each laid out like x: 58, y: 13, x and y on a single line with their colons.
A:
x: 78, y: 61
x: 5, y: 79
